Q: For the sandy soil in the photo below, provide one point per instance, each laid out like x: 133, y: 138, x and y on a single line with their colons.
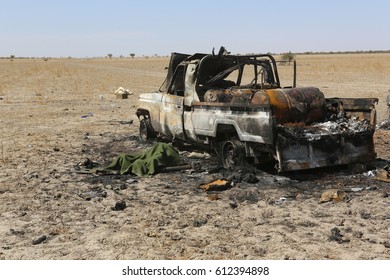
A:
x: 48, y: 211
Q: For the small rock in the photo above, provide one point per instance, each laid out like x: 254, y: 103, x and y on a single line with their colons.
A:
x: 301, y: 196
x: 151, y: 234
x: 341, y: 222
x: 386, y: 244
x: 46, y: 180
x: 333, y: 195
x: 131, y: 181
x: 357, y: 234
x: 213, y: 197
x: 233, y: 205
x: 17, y: 232
x: 93, y: 193
x: 162, y: 223
x: 365, y: 215
x: 199, y: 223
x: 182, y: 224
x: 176, y: 237
x: 33, y: 176
x: 39, y: 240
x: 119, y: 206
x: 56, y: 149
x: 337, y: 236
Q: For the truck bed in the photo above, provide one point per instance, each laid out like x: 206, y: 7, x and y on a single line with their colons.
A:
x: 325, y: 144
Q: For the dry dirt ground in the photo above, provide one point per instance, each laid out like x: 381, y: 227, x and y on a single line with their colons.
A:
x: 55, y: 114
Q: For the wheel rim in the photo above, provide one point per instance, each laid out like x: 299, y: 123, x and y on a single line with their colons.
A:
x: 229, y: 155
x: 232, y: 154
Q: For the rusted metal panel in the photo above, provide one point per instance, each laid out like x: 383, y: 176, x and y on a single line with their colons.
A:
x: 306, y: 105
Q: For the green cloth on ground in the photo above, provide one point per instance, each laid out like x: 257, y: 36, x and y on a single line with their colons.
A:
x: 148, y: 163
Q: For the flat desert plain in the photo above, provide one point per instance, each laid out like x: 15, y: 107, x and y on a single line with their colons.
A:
x: 56, y: 114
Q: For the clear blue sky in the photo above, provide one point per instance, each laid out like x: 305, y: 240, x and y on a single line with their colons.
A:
x: 81, y: 28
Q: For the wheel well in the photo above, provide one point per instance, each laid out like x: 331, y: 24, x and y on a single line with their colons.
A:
x: 226, y: 131
x: 142, y: 112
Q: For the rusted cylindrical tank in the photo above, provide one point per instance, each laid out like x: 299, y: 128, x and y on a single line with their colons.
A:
x: 306, y: 105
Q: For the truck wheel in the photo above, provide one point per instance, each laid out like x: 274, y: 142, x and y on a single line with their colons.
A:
x: 232, y: 153
x: 146, y: 131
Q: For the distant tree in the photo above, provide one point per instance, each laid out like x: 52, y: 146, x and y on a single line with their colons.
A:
x: 132, y: 55
x: 288, y: 57
x: 12, y: 57
x: 109, y: 55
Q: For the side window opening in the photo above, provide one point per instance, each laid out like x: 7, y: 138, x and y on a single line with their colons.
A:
x: 177, y: 86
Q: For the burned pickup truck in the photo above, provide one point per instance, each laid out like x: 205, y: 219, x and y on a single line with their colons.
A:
x: 235, y: 105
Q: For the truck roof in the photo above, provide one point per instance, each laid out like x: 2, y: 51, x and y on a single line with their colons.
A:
x: 178, y: 58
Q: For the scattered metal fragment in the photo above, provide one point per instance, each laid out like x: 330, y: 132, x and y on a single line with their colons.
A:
x: 217, y: 185
x: 175, y: 168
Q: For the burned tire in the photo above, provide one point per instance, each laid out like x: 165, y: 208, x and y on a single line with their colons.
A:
x: 232, y: 153
x: 146, y: 131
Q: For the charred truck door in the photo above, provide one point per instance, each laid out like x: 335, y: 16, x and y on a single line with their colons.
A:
x: 171, y: 113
